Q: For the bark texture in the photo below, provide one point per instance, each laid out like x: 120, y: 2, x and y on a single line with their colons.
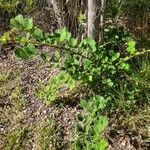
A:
x: 94, y: 19
x: 66, y: 13
x: 102, y: 20
x: 58, y: 11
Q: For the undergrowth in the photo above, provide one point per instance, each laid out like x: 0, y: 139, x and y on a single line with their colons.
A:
x: 17, y: 128
x: 110, y: 70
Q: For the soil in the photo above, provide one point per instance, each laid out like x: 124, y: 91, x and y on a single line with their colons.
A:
x: 25, y: 75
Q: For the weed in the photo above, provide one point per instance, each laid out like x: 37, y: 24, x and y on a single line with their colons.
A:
x: 141, y: 75
x: 15, y: 138
x: 17, y: 98
x: 4, y: 76
x: 44, y: 135
x: 57, y: 86
x: 91, y: 125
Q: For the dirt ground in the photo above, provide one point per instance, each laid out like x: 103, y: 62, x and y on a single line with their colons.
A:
x: 22, y: 112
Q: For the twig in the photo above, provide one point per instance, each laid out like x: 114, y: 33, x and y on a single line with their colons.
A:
x: 134, y: 55
x: 56, y: 47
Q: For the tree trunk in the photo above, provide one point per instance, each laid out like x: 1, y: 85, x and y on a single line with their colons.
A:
x: 66, y: 16
x: 58, y: 10
x: 102, y: 20
x: 94, y: 19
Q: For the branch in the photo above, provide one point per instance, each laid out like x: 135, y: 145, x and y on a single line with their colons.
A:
x: 134, y: 55
x: 54, y: 46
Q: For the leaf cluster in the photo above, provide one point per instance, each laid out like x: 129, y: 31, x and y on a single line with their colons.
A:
x: 13, y: 5
x: 91, y: 124
x: 56, y: 87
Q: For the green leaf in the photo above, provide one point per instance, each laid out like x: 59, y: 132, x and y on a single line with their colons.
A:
x: 73, y: 42
x: 25, y: 52
x: 100, y: 102
x: 13, y: 22
x: 71, y: 83
x: 87, y: 64
x: 38, y: 33
x: 124, y: 66
x: 20, y: 53
x: 21, y: 22
x: 17, y: 22
x: 75, y: 61
x: 92, y: 44
x: 89, y: 106
x: 101, y: 124
x: 28, y: 25
x: 30, y: 49
x: 115, y: 56
x: 5, y: 38
x: 89, y: 43
x: 69, y: 59
x: 90, y: 78
x: 131, y: 46
x: 68, y: 36
x: 109, y: 82
x: 103, y: 144
x: 83, y: 103
x: 19, y: 19
x: 63, y: 34
x: 61, y: 77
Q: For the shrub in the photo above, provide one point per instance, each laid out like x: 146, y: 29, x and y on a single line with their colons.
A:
x: 91, y: 124
x: 13, y: 5
x: 101, y: 68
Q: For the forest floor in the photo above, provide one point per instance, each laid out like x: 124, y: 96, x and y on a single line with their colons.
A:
x: 27, y: 122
